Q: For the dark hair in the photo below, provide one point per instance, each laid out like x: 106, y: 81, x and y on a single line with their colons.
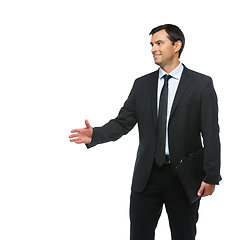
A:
x: 174, y: 34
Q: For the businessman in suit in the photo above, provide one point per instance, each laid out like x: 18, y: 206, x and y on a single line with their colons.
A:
x: 177, y: 113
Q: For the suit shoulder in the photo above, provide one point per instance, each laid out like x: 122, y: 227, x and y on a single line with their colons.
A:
x: 147, y: 77
x: 198, y: 79
x: 198, y: 75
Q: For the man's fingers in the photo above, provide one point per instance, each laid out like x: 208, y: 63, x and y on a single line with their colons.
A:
x: 77, y: 140
x: 75, y: 131
x: 73, y: 136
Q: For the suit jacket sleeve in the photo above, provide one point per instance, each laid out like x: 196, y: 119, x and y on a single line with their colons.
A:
x: 210, y: 134
x: 119, y: 126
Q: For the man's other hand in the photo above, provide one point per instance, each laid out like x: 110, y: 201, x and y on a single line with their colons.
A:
x: 206, y: 189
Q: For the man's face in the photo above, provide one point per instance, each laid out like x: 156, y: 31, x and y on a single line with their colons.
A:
x: 164, y: 53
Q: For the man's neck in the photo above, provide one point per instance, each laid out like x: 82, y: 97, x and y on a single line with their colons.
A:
x: 169, y: 68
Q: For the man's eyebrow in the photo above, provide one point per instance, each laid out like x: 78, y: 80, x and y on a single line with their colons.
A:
x: 158, y: 41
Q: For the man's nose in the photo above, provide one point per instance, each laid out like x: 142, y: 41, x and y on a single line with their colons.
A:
x: 154, y: 48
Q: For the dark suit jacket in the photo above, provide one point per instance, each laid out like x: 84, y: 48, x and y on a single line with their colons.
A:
x: 194, y: 114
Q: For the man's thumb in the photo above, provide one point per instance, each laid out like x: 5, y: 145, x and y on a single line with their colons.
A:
x: 200, y: 191
x: 87, y: 124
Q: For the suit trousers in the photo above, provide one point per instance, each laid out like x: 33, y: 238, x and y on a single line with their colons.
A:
x: 146, y: 207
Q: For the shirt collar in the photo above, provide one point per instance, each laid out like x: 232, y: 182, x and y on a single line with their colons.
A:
x: 176, y: 73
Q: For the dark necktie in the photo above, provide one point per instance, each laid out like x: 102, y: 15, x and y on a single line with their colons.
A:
x: 162, y: 120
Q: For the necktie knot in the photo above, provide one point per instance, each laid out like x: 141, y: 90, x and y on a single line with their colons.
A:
x: 166, y: 77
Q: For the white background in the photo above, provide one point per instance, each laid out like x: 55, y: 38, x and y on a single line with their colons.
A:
x: 64, y: 61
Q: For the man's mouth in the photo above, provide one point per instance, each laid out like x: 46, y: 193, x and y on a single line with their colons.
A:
x: 156, y: 55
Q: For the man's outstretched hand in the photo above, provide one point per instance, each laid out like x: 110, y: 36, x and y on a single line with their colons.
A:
x: 82, y: 135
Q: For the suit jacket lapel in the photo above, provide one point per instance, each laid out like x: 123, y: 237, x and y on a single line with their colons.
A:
x: 184, y: 81
x: 153, y: 95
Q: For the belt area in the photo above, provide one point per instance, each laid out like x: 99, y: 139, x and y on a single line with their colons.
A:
x: 168, y: 161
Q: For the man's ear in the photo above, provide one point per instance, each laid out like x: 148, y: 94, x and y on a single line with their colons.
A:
x: 177, y: 46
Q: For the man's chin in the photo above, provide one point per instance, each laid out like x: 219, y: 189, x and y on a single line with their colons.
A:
x: 157, y: 63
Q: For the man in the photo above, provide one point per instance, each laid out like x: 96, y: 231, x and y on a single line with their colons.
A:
x: 175, y: 109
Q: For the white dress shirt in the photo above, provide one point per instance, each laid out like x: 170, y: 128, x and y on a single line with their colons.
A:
x: 172, y: 88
